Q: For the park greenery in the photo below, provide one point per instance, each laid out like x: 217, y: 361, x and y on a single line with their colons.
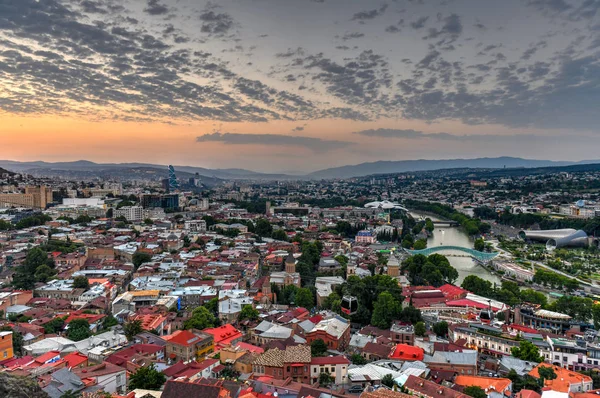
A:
x: 434, y: 270
x: 472, y: 226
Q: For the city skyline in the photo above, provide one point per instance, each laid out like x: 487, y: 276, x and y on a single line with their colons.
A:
x: 279, y: 86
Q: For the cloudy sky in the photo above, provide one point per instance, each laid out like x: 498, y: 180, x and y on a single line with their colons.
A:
x: 298, y: 85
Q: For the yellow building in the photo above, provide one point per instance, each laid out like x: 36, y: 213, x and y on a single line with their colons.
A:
x: 6, y: 345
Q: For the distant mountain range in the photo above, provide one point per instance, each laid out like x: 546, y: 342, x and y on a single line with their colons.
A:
x: 403, y: 166
x: 87, y: 168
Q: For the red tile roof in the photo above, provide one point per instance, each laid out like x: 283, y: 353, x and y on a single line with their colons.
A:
x: 75, y: 359
x: 337, y: 360
x: 224, y: 334
x: 405, y: 352
x: 183, y: 337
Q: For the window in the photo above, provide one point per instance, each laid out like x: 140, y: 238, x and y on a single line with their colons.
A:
x: 557, y: 357
x: 5, y: 353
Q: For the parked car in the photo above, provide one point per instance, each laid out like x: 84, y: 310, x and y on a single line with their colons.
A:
x: 355, y: 389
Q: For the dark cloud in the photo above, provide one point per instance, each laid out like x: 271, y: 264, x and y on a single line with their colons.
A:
x: 419, y: 23
x: 154, y: 7
x: 415, y: 135
x: 314, y: 144
x: 451, y: 27
x: 533, y: 49
x: 215, y: 23
x: 573, y: 10
x: 370, y: 14
x: 352, y: 35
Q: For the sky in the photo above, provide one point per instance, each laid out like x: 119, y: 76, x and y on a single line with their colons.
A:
x: 298, y: 85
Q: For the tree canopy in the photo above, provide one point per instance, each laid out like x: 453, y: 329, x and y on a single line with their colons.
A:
x: 78, y: 329
x: 527, y: 351
x: 37, y: 267
x: 318, y: 348
x: 147, y: 378
x: 201, y: 318
x: 132, y: 328
x: 248, y: 312
x: 475, y: 392
x: 433, y: 270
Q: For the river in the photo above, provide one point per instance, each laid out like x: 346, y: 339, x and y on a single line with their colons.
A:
x: 453, y: 236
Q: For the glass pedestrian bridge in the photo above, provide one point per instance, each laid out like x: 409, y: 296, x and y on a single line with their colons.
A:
x: 476, y: 254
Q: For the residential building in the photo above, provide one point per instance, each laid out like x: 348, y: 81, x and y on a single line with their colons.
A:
x: 402, y: 334
x: 336, y: 366
x: 6, y: 345
x: 335, y: 332
x: 131, y: 213
x: 494, y: 387
x: 184, y: 345
x: 464, y: 363
x: 195, y: 226
x: 197, y: 388
x: 367, y: 237
x: 566, y: 381
x: 111, y: 378
x: 293, y: 362
x: 428, y: 389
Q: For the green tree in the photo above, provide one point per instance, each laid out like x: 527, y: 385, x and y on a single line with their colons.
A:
x: 420, y: 329
x: 477, y: 285
x: 358, y: 359
x: 385, y: 310
x: 410, y: 314
x: 109, y: 321
x: 70, y: 394
x: 78, y: 329
x: 44, y: 273
x: 441, y: 328
x: 318, y: 348
x: 248, y: 312
x: 475, y: 392
x: 533, y: 296
x: 56, y: 325
x: 388, y: 380
x: 527, y: 351
x: 546, y: 373
x: 140, y: 258
x: 81, y: 282
x: 263, y: 228
x: 304, y: 298
x: 279, y: 235
x: 332, y: 302
x: 212, y: 305
x: 420, y: 244
x: 429, y: 227
x: 147, y: 378
x: 201, y: 319
x: 25, y: 275
x: 479, y: 244
x: 5, y: 226
x: 132, y: 328
x: 325, y: 379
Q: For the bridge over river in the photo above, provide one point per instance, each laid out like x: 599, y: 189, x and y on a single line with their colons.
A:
x: 483, y: 257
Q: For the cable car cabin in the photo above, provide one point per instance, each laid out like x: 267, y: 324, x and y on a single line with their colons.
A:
x: 349, y: 305
x: 486, y: 316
